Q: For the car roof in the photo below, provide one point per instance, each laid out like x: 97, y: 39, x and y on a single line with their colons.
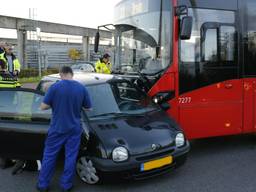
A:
x: 87, y: 62
x: 83, y: 77
x: 84, y: 63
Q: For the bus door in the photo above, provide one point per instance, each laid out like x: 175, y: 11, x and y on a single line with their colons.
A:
x: 210, y: 91
x: 249, y: 116
x: 249, y: 66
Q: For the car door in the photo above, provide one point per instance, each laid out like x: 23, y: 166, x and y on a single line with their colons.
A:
x: 23, y: 126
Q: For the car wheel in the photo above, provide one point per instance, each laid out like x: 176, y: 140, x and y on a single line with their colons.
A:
x: 86, y: 171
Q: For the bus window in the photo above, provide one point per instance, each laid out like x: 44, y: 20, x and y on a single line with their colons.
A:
x: 210, y: 55
x: 227, y: 43
x: 218, y: 46
x: 211, y: 45
x: 250, y: 38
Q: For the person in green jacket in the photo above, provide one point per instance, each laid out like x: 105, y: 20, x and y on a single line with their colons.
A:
x: 103, y: 65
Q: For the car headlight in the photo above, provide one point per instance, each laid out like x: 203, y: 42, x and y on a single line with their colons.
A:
x: 180, y: 140
x: 156, y: 100
x: 120, y: 154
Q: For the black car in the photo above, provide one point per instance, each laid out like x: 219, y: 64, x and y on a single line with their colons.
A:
x: 125, y: 135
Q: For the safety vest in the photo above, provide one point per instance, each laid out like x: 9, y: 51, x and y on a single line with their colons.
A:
x: 7, y: 81
x: 16, y: 63
x: 102, y: 67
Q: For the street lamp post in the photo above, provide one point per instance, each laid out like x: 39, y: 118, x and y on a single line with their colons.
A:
x: 38, y: 38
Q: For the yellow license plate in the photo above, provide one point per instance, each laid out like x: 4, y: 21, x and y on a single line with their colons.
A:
x: 156, y: 163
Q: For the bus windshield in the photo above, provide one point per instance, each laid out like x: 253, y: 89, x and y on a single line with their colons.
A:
x: 143, y: 36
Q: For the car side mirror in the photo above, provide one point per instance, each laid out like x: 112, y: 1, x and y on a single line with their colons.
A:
x: 96, y: 41
x: 186, y: 27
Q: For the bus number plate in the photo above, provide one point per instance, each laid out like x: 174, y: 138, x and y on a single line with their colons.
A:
x: 183, y: 100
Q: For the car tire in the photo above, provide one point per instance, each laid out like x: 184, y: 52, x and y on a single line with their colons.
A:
x: 87, y: 172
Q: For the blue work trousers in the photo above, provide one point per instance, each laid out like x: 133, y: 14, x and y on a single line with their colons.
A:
x: 53, y: 145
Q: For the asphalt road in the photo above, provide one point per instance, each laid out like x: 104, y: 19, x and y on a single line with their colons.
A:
x: 214, y: 165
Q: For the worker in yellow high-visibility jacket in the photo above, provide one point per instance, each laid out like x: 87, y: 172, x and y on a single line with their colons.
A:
x: 12, y: 62
x: 103, y: 65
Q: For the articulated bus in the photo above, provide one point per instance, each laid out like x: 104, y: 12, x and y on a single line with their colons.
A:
x: 197, y: 55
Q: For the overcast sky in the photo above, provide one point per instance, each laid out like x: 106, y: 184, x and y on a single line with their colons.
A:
x: 86, y: 13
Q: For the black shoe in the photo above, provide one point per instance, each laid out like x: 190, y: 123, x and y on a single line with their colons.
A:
x: 42, y: 189
x: 18, y: 167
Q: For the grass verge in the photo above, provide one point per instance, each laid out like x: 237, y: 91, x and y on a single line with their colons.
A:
x: 29, y: 79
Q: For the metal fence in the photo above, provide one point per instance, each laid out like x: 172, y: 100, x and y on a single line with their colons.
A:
x: 55, y: 54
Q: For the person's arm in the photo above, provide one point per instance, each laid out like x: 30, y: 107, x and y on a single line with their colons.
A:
x: 44, y: 106
x: 16, y: 64
x: 87, y: 104
x: 47, y: 102
x: 98, y: 67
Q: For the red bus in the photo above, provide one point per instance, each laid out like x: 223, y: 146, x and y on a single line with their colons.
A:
x: 199, y: 56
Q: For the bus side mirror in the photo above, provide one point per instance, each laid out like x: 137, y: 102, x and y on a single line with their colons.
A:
x: 96, y: 41
x: 186, y: 27
x: 163, y: 97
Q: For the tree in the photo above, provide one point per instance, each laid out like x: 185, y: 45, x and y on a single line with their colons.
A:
x: 74, y: 54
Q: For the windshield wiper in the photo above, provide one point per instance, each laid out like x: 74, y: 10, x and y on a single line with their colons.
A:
x: 117, y: 72
x: 118, y: 114
x: 158, y: 48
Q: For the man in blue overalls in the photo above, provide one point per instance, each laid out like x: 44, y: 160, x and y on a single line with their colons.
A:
x: 66, y: 98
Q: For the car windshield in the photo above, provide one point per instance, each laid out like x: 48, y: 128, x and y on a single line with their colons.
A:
x: 118, y: 98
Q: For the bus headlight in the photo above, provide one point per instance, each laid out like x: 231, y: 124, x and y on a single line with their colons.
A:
x: 180, y: 140
x: 120, y: 154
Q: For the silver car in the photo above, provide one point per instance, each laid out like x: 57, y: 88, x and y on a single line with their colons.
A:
x: 85, y: 67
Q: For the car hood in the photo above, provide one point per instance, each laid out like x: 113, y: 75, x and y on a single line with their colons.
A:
x: 136, y: 133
